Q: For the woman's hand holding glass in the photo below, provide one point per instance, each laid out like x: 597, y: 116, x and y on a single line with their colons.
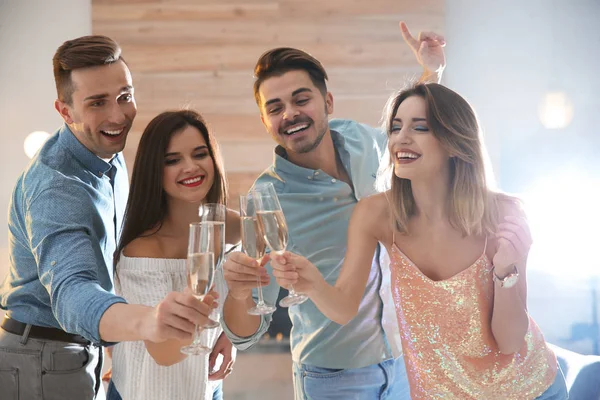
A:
x: 275, y: 230
x: 293, y: 270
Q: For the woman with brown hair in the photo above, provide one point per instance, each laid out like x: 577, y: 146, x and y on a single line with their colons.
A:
x: 177, y: 169
x: 458, y: 254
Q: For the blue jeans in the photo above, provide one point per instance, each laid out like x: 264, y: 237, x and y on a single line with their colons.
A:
x: 386, y: 380
x: 113, y: 394
x: 218, y: 392
x: 558, y: 389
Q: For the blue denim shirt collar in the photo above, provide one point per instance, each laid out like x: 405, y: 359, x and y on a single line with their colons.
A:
x: 90, y: 161
x: 281, y: 162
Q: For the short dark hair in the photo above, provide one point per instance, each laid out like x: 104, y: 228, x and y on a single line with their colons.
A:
x: 82, y: 52
x: 277, y: 62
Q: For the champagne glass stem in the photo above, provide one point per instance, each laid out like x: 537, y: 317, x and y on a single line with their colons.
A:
x: 196, y: 339
x: 292, y: 291
x: 261, y: 301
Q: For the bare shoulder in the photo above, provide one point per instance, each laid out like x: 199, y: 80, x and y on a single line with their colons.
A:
x: 146, y: 247
x: 374, y: 204
x: 373, y: 214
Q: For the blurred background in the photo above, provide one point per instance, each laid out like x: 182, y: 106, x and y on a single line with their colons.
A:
x: 529, y: 67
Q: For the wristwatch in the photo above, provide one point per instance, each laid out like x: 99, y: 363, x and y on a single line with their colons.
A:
x: 509, y: 280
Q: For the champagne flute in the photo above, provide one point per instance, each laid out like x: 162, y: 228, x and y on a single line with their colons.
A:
x: 200, y: 265
x: 215, y: 214
x: 254, y: 246
x: 274, y: 229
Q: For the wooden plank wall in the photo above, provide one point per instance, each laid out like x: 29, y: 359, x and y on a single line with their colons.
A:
x: 201, y: 53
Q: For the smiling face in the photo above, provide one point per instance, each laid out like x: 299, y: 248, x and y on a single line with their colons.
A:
x: 415, y: 151
x: 294, y: 111
x: 102, y: 108
x: 189, y: 170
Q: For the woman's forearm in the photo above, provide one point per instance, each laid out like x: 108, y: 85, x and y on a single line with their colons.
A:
x: 510, y: 320
x: 336, y: 304
x: 167, y: 353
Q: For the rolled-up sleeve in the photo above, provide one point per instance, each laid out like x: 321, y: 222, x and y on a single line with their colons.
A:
x: 244, y: 343
x: 69, y: 257
x: 270, y: 295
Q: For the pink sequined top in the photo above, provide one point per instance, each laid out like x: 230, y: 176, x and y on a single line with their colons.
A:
x: 449, y: 349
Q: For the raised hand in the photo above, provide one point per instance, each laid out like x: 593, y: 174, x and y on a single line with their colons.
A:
x: 241, y: 273
x: 428, y: 49
x: 514, y: 242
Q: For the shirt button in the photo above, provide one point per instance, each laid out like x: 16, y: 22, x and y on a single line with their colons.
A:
x: 309, y: 178
x: 316, y: 172
x: 333, y: 180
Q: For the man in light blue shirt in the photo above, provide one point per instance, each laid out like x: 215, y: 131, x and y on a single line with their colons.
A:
x: 321, y: 169
x: 64, y: 222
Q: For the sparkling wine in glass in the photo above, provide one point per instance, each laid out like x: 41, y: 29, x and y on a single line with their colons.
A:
x: 215, y: 214
x: 253, y: 244
x: 274, y: 229
x: 200, y: 266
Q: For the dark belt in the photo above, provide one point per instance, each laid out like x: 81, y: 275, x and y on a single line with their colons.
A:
x: 41, y: 332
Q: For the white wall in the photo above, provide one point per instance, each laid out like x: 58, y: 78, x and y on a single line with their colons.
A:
x: 30, y: 33
x: 503, y: 56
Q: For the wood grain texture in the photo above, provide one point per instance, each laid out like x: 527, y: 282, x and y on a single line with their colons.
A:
x: 220, y: 58
x: 279, y: 32
x: 239, y: 184
x: 201, y: 54
x: 240, y: 10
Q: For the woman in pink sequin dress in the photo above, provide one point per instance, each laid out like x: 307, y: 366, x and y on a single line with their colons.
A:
x: 458, y: 255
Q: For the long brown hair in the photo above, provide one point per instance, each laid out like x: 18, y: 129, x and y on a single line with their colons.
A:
x: 147, y: 203
x: 473, y: 206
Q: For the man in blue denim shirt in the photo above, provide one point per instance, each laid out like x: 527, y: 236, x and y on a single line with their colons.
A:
x: 64, y: 221
x: 321, y: 169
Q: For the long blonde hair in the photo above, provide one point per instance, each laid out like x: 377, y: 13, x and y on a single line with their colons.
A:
x: 473, y: 206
